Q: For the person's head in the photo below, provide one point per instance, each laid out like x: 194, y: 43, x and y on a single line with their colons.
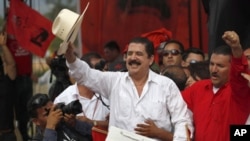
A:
x: 140, y: 56
x: 111, y: 51
x: 177, y: 74
x: 91, y: 58
x: 247, y: 54
x: 38, y: 109
x: 219, y: 65
x: 192, y: 55
x: 172, y: 53
x: 198, y: 71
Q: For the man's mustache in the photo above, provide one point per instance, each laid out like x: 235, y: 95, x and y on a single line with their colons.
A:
x: 214, y: 74
x: 134, y: 62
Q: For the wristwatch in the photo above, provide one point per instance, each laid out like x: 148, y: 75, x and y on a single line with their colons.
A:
x: 95, y: 123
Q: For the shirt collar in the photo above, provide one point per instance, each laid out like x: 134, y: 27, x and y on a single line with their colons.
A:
x: 210, y: 86
x: 151, y: 77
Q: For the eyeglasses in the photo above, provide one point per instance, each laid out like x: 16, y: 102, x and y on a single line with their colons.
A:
x: 193, y: 61
x: 173, y: 52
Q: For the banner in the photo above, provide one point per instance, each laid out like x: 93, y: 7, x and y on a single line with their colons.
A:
x: 121, y: 20
x: 30, y: 28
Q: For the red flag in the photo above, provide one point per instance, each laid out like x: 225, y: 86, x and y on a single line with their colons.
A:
x: 157, y: 37
x: 30, y: 28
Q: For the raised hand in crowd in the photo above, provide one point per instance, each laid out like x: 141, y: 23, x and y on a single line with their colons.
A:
x: 232, y: 39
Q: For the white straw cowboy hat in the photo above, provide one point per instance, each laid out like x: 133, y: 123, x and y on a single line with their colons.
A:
x: 66, y: 26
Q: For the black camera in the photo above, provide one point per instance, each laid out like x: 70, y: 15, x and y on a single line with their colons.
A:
x: 58, y: 64
x: 73, y: 107
x: 100, y: 66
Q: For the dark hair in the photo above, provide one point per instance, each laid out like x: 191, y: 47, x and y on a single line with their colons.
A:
x: 112, y: 45
x: 181, y: 46
x: 88, y: 56
x: 177, y: 74
x: 192, y: 50
x: 200, y: 69
x: 37, y: 101
x: 149, y: 47
x: 224, y: 49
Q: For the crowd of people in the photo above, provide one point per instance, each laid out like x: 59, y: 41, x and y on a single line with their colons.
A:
x: 191, y: 92
x: 187, y: 95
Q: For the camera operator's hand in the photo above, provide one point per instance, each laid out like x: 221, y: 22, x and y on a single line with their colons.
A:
x: 70, y: 119
x: 54, y: 117
x: 84, y: 119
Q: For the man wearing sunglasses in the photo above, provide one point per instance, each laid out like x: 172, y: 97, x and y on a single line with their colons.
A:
x: 172, y: 53
x: 192, y: 55
x: 52, y: 124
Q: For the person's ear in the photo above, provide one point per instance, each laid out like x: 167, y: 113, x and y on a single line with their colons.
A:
x: 152, y: 60
x: 183, y: 64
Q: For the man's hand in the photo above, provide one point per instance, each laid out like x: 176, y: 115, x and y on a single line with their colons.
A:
x: 3, y: 38
x: 54, y: 117
x: 149, y: 129
x: 232, y: 39
x: 247, y: 77
x: 70, y: 119
x: 69, y: 55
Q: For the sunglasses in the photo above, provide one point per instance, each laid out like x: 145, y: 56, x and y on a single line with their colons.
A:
x: 193, y: 61
x: 173, y: 52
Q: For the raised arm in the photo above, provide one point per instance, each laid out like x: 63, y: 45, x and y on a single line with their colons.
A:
x: 8, y: 60
x: 239, y: 64
x: 69, y: 55
x: 232, y: 39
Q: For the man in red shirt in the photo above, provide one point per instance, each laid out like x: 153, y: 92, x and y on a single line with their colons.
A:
x: 223, y: 99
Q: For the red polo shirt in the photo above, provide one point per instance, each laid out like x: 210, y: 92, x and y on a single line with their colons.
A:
x: 214, y: 113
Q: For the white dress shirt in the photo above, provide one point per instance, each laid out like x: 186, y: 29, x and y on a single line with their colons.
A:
x: 160, y: 101
x: 92, y: 108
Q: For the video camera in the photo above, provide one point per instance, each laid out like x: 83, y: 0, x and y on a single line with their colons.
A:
x: 58, y: 64
x: 73, y: 107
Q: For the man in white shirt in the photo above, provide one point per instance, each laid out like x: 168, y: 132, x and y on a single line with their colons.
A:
x: 94, y: 108
x: 138, y: 98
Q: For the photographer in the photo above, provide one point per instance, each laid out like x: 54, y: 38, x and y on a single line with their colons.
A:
x: 54, y: 122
